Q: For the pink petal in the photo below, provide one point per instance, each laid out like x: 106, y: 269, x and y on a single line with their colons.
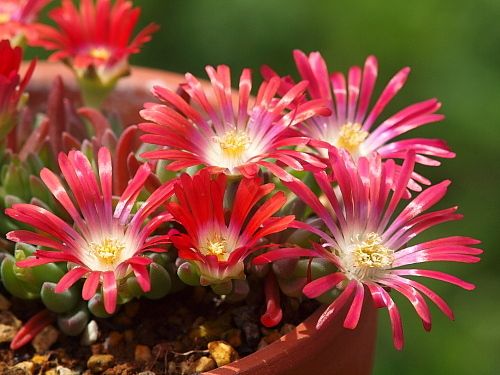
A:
x: 70, y: 278
x: 110, y: 291
x: 323, y: 284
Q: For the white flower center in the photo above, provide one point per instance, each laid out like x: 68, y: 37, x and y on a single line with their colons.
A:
x: 351, y: 136
x: 234, y: 143
x: 108, y: 251
x: 230, y: 150
x: 367, y: 257
x: 216, y: 245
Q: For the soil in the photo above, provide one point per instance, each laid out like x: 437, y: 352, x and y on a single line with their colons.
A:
x: 168, y: 336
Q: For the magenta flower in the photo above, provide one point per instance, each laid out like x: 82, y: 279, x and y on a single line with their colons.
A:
x: 370, y: 250
x: 11, y: 84
x: 96, y: 37
x: 17, y: 16
x: 103, y: 245
x: 222, y: 138
x: 351, y: 123
x: 218, y: 238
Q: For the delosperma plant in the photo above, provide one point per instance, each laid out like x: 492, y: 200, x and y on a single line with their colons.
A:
x: 300, y: 185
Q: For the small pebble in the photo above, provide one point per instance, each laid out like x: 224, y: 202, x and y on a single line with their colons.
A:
x: 40, y: 360
x: 100, y: 362
x: 90, y: 334
x: 203, y: 364
x: 142, y: 353
x: 25, y: 367
x: 146, y: 373
x: 185, y: 368
x: 9, y: 325
x: 60, y: 370
x: 222, y: 352
x: 45, y: 339
x: 113, y: 340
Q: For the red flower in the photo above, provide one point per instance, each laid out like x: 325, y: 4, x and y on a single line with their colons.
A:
x: 104, y: 245
x: 11, y: 84
x: 217, y: 239
x: 222, y: 138
x: 16, y: 17
x: 350, y: 125
x: 369, y: 250
x: 95, y: 37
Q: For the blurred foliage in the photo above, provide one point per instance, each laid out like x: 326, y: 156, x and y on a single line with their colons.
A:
x: 453, y: 47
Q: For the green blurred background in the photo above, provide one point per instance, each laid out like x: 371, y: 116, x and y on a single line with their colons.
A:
x: 453, y: 47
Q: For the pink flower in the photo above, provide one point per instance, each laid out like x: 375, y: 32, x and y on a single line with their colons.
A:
x: 223, y: 138
x: 103, y: 245
x: 371, y: 251
x: 16, y: 17
x: 351, y: 123
x: 217, y: 238
x: 95, y: 39
x: 11, y: 84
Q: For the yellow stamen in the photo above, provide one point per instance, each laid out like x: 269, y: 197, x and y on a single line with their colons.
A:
x: 216, y: 246
x: 100, y: 53
x: 371, y: 253
x: 4, y: 17
x: 108, y: 251
x: 350, y: 137
x: 234, y: 143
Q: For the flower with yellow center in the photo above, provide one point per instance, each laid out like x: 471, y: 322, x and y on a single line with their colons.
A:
x: 4, y: 18
x: 350, y: 137
x: 100, y: 53
x: 105, y: 240
x: 216, y: 246
x: 108, y: 251
x: 366, y: 239
x: 368, y: 256
x: 230, y: 133
x: 234, y: 143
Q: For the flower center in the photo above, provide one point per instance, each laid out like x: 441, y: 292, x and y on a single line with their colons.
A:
x: 216, y: 246
x: 234, y: 143
x: 100, y: 53
x: 108, y: 251
x: 372, y: 253
x: 350, y: 137
x: 4, y: 17
x: 366, y: 257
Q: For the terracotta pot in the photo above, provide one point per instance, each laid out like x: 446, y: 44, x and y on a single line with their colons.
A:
x: 332, y: 351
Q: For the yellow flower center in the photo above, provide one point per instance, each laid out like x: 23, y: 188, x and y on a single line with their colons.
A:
x: 100, y: 53
x: 350, y: 137
x: 108, y: 251
x: 234, y: 143
x: 4, y: 17
x: 216, y: 246
x: 371, y: 253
